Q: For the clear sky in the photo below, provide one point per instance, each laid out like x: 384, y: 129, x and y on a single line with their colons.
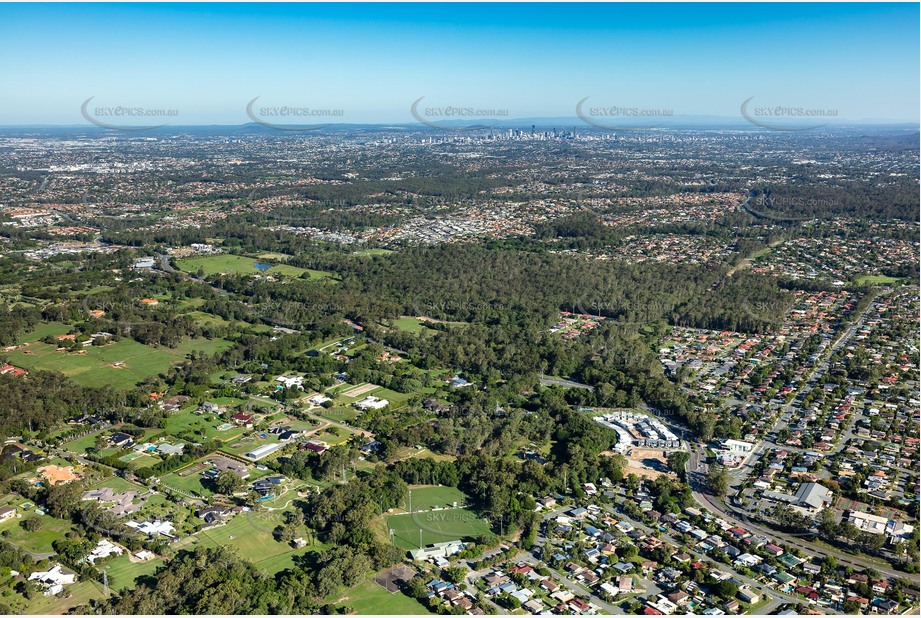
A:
x: 372, y: 61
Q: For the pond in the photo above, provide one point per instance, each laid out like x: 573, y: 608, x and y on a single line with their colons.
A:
x: 262, y: 266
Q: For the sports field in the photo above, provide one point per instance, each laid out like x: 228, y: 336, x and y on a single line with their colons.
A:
x: 433, y: 496
x: 436, y: 527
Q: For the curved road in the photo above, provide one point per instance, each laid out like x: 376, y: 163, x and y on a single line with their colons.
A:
x: 730, y: 514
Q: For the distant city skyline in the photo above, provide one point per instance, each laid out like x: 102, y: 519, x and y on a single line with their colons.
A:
x: 225, y: 64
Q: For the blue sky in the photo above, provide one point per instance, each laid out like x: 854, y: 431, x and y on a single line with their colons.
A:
x: 372, y: 61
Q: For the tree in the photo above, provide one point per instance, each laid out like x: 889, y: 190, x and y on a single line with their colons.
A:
x: 63, y: 500
x: 828, y: 523
x: 718, y: 480
x: 678, y: 461
x: 455, y: 574
x: 725, y: 589
x: 32, y: 524
x: 100, y: 443
x: 227, y: 482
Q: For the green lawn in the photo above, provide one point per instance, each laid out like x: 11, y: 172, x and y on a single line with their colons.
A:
x: 875, y: 280
x: 370, y: 598
x: 82, y: 445
x: 117, y: 483
x: 187, y: 421
x: 38, y: 542
x: 411, y: 325
x: 191, y: 484
x: 122, y: 572
x: 45, y: 329
x: 435, y: 496
x: 93, y: 365
x: 208, y: 319
x: 251, y: 534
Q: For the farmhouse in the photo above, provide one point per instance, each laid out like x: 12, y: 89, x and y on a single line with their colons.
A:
x: 243, y: 418
x: 7, y: 512
x: 121, y: 440
x: 170, y: 449
x: 371, y: 403
x: 104, y: 549
x: 291, y: 381
x: 315, y: 447
x: 153, y: 528
x: 53, y: 580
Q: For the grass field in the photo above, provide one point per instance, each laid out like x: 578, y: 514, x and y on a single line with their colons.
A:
x: 122, y: 572
x: 411, y: 325
x: 371, y: 598
x: 190, y: 484
x: 271, y: 256
x: 434, y: 496
x: 187, y: 421
x: 118, y: 484
x: 875, y: 280
x: 251, y: 534
x: 93, y: 365
x: 226, y: 263
x: 436, y: 527
x: 82, y: 445
x: 373, y: 252
x: 38, y: 542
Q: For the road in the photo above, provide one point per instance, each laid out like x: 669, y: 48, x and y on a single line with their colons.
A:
x: 165, y: 266
x: 696, y: 474
x: 575, y: 586
x: 777, y: 598
x: 818, y: 372
x: 735, y: 516
x: 566, y: 383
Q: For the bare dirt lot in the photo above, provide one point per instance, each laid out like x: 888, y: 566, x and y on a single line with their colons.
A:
x: 649, y: 463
